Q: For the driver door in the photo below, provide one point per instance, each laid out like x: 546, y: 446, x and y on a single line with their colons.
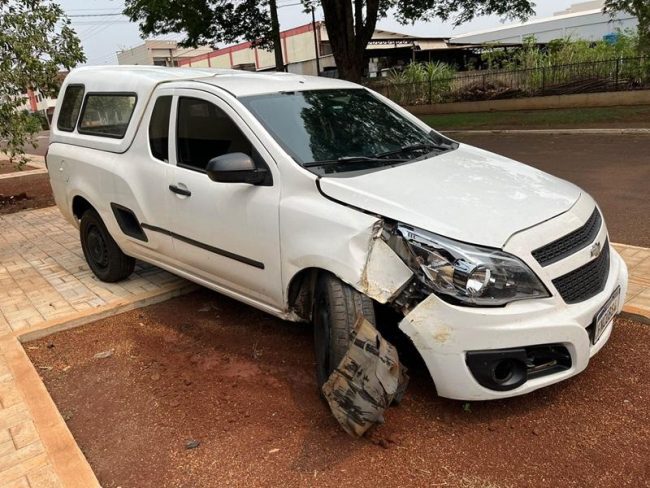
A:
x: 224, y: 233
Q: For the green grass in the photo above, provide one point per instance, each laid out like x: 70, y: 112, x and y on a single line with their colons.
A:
x: 606, y: 117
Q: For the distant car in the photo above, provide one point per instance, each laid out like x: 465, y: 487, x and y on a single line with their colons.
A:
x: 315, y: 199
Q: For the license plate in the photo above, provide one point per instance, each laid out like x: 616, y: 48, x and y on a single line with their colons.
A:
x: 606, y: 314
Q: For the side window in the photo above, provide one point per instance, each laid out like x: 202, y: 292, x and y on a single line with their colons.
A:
x: 107, y: 115
x: 70, y: 107
x: 159, y: 128
x: 203, y: 132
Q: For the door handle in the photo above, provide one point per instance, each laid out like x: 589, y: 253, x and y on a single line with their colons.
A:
x: 180, y: 191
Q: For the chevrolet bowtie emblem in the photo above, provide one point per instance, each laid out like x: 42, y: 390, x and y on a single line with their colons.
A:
x: 596, y: 248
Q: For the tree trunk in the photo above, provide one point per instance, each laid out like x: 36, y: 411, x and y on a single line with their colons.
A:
x: 349, y: 34
x: 350, y: 66
x: 277, y: 41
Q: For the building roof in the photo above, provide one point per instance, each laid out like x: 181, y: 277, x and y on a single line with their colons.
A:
x: 535, y: 21
x: 544, y: 25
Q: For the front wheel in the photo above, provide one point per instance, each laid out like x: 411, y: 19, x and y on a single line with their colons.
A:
x: 337, y: 306
x: 103, y: 255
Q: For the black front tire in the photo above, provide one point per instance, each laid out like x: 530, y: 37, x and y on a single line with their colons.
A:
x: 103, y: 255
x: 337, y: 307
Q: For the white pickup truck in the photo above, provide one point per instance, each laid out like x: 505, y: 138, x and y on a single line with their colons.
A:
x: 316, y: 199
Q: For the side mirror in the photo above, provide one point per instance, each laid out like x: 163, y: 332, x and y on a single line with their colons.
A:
x: 235, y: 168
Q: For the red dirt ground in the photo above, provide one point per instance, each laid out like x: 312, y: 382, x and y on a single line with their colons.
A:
x: 205, y: 368
x: 6, y: 167
x: 25, y: 192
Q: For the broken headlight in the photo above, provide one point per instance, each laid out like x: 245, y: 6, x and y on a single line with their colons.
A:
x: 464, y: 273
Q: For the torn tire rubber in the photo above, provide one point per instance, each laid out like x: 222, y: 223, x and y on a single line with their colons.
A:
x: 337, y: 306
x: 103, y: 255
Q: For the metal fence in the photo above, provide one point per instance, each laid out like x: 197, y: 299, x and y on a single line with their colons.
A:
x: 598, y: 76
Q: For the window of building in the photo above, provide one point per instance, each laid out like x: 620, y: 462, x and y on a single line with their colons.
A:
x: 107, y: 115
x: 203, y: 132
x: 159, y: 128
x: 70, y: 107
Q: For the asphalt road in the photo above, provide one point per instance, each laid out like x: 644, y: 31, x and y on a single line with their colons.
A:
x: 614, y: 169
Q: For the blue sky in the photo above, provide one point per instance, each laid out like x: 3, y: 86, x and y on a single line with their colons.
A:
x: 102, y: 37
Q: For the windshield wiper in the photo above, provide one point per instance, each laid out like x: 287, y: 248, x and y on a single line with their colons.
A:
x: 426, y: 146
x: 355, y: 159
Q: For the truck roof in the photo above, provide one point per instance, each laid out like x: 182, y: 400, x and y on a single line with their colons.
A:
x: 143, y: 79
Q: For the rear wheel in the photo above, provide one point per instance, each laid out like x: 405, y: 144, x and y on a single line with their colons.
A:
x: 103, y: 255
x: 337, y: 307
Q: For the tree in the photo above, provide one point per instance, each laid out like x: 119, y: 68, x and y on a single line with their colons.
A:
x: 36, y: 41
x: 210, y: 21
x: 350, y: 23
x: 641, y: 10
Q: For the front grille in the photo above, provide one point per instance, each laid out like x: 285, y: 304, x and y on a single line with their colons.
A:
x: 570, y: 243
x: 586, y: 281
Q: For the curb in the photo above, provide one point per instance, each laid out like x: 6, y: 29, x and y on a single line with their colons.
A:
x: 634, y: 313
x: 36, y: 161
x: 568, y: 132
x: 78, y: 319
x: 20, y: 174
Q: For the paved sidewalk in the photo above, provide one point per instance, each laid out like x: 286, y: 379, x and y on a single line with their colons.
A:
x: 637, y: 302
x: 46, y: 285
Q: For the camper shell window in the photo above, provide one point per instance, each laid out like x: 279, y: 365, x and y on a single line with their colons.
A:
x: 107, y: 114
x: 70, y: 107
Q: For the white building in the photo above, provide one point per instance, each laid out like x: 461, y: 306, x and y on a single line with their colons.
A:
x: 580, y: 21
x: 159, y: 53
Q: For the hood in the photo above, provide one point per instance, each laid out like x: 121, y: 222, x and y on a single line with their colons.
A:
x: 468, y: 194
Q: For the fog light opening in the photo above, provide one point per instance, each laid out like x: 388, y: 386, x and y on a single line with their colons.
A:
x: 503, y: 371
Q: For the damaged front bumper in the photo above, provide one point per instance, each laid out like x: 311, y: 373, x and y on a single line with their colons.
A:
x: 444, y: 334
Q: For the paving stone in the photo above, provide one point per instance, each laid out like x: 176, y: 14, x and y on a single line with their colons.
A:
x: 17, y: 483
x: 43, y: 477
x: 17, y: 472
x: 9, y: 394
x: 19, y: 455
x: 23, y: 434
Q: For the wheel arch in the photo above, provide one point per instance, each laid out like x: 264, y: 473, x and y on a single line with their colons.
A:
x: 302, y: 287
x: 80, y: 205
x: 300, y: 292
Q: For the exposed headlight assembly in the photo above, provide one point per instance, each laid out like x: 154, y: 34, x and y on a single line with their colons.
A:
x: 464, y: 273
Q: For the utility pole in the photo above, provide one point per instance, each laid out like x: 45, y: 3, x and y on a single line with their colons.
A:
x: 277, y: 42
x: 313, y: 24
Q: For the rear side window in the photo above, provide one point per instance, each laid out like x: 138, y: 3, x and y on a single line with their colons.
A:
x: 70, y: 107
x: 159, y: 128
x: 107, y: 115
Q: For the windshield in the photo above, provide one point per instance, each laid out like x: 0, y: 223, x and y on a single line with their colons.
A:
x: 342, y: 130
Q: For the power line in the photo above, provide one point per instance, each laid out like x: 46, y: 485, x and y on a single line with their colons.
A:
x: 95, y: 15
x: 101, y: 22
x: 289, y: 5
x: 93, y: 9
